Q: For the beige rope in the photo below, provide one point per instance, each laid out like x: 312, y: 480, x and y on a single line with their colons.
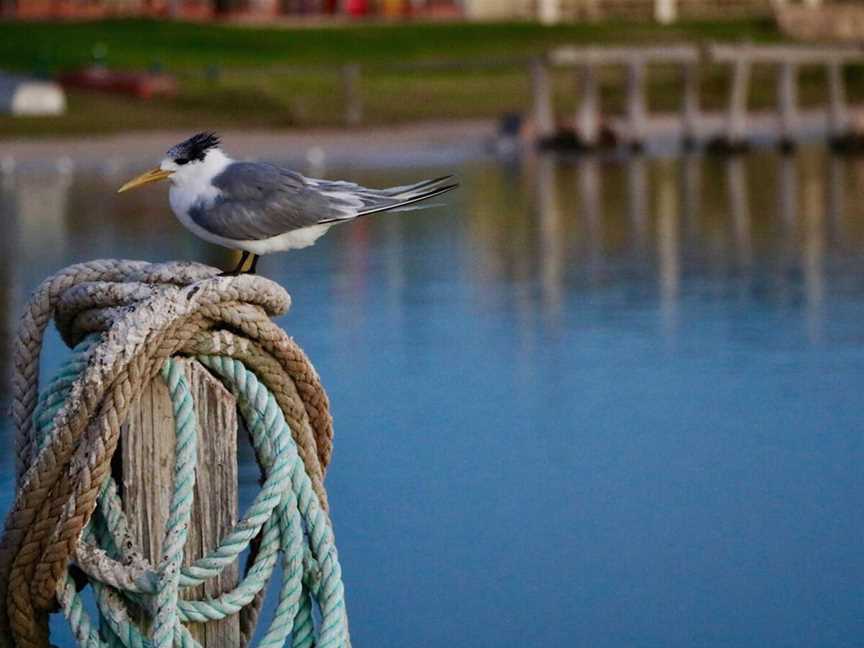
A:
x: 146, y: 313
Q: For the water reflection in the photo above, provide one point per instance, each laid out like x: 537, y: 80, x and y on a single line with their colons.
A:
x: 762, y: 219
x: 668, y: 246
x: 627, y: 341
x: 570, y: 224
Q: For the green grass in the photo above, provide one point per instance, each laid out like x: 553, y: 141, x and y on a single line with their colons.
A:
x: 141, y: 43
x: 288, y: 77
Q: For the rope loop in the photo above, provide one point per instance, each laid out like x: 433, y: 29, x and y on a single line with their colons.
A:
x: 128, y: 322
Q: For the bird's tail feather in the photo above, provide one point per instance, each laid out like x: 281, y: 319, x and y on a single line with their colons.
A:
x: 402, y: 198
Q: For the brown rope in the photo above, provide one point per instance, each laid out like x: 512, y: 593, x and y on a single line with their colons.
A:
x: 146, y: 313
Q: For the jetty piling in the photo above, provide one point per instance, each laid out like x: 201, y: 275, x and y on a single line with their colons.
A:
x: 588, y: 112
x: 147, y: 445
x: 168, y: 363
x: 543, y: 114
x: 787, y: 100
x: 690, y: 103
x: 737, y: 131
x: 637, y: 108
x: 838, y: 113
x: 636, y: 61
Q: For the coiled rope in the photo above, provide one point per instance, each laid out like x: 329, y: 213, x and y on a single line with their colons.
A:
x: 127, y: 321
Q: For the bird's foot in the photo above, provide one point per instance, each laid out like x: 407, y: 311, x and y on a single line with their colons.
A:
x: 238, y: 269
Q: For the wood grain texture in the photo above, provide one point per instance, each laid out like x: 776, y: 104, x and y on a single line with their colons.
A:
x: 147, y: 446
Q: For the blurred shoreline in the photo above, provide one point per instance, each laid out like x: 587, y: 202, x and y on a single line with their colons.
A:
x: 419, y: 143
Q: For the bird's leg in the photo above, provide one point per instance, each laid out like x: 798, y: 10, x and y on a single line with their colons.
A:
x: 253, y: 268
x: 238, y: 268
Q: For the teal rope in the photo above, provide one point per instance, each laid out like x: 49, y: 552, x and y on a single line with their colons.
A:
x: 286, y: 511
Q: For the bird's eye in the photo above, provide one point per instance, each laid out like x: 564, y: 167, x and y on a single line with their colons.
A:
x: 181, y: 161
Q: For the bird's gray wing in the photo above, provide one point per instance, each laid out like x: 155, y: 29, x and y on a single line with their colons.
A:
x: 258, y: 201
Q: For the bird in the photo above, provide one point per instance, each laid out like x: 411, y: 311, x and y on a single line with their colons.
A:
x: 260, y: 208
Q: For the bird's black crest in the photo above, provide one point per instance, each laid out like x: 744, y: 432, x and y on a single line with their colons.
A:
x: 194, y: 148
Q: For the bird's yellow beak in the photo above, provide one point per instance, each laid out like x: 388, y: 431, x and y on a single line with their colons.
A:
x: 150, y: 176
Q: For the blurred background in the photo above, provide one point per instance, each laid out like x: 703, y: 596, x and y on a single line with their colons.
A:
x: 608, y: 392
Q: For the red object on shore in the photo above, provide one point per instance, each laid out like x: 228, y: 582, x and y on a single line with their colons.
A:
x: 143, y: 85
x: 357, y: 7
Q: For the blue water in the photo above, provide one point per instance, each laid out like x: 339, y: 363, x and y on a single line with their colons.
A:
x: 588, y: 403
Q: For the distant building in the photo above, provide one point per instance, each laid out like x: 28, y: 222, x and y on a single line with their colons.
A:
x: 548, y: 11
x: 203, y: 9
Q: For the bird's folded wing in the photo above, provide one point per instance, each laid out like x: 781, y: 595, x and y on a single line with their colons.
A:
x: 259, y: 201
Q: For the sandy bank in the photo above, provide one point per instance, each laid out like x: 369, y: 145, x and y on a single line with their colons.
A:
x: 416, y: 143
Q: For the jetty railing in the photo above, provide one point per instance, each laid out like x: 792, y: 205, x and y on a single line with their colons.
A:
x: 691, y: 59
x: 636, y: 60
x: 788, y: 60
x: 355, y: 90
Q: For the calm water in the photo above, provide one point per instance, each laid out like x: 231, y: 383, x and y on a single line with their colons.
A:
x: 592, y: 403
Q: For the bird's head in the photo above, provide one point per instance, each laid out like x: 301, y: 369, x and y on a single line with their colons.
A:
x: 183, y: 162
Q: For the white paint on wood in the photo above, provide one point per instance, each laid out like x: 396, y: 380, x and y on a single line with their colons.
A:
x: 690, y: 108
x: 787, y: 99
x: 549, y: 11
x: 147, y: 450
x: 637, y: 109
x: 838, y: 115
x: 542, y: 112
x: 737, y: 116
x: 801, y: 54
x: 623, y: 55
x: 665, y: 11
x: 588, y: 114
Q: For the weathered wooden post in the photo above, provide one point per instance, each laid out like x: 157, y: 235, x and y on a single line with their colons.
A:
x: 787, y: 99
x: 587, y: 115
x: 549, y: 11
x: 352, y: 94
x: 838, y: 115
x: 665, y: 11
x: 736, y: 127
x: 690, y: 103
x: 636, y: 104
x: 147, y: 446
x: 131, y: 452
x: 542, y: 112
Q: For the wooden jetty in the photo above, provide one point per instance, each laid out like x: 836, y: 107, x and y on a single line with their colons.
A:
x: 738, y: 127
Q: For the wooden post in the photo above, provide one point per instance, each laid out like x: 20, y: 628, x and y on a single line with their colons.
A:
x: 787, y: 98
x: 737, y: 118
x: 636, y: 105
x: 587, y: 117
x: 549, y: 11
x: 541, y: 90
x: 147, y: 450
x: 352, y: 94
x: 838, y: 117
x: 665, y: 11
x: 690, y: 103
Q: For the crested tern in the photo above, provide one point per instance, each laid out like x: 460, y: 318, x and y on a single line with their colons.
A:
x: 259, y: 208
